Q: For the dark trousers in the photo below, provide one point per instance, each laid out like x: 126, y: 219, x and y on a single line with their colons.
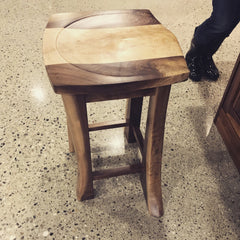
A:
x: 211, y: 33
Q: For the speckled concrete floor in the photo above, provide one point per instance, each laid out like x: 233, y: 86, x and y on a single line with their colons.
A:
x: 201, y: 186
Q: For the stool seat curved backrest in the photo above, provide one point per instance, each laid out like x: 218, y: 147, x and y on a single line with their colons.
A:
x: 87, y: 53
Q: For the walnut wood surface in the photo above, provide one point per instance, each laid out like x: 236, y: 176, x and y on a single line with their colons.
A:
x: 75, y: 107
x: 133, y: 117
x: 107, y: 125
x: 153, y: 148
x: 227, y: 118
x: 70, y: 141
x: 104, y: 19
x: 229, y: 135
x: 107, y: 173
x: 112, y: 55
x: 110, y: 48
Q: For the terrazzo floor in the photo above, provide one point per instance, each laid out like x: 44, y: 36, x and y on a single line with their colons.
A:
x: 201, y: 186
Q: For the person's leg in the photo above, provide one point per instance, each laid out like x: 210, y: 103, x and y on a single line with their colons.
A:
x: 209, y: 36
x: 211, y: 33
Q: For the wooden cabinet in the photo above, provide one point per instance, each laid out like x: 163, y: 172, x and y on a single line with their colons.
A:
x: 227, y: 118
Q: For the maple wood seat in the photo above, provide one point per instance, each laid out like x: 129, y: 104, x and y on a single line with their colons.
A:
x: 114, y: 55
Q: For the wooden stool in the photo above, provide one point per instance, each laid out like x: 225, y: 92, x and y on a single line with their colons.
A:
x: 114, y: 55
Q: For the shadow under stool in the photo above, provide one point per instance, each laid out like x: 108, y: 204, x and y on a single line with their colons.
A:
x: 110, y: 55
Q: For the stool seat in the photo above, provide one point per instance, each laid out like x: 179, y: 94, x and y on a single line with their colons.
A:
x: 110, y: 49
x: 114, y: 55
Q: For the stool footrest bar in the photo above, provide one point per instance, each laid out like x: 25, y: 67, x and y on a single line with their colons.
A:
x: 139, y: 138
x: 107, y: 125
x: 114, y: 172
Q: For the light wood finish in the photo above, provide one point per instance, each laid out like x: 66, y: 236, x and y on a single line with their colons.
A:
x: 111, y: 45
x: 227, y: 118
x: 113, y: 55
x: 136, y: 52
x: 107, y: 125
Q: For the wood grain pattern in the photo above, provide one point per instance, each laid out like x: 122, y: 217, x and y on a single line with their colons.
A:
x: 227, y: 118
x: 152, y: 158
x: 111, y: 45
x: 132, y: 47
x: 75, y: 107
x: 113, y: 55
x: 65, y: 78
x: 102, y: 19
x: 229, y: 135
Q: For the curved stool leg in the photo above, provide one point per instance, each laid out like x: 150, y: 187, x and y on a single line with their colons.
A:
x: 153, y: 149
x: 75, y: 107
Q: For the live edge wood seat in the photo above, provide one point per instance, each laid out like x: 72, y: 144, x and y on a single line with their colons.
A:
x: 114, y: 55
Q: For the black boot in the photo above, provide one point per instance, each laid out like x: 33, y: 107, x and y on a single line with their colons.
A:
x: 209, y: 68
x: 193, y: 59
x: 200, y: 63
